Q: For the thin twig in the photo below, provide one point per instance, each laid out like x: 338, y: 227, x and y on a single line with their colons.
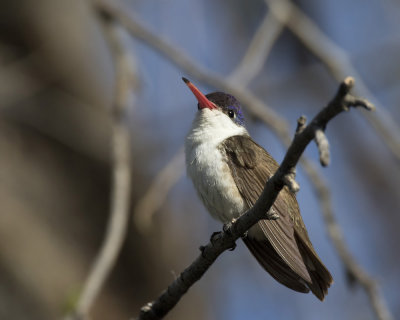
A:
x: 226, y: 239
x: 323, y: 147
x: 339, y: 64
x: 155, y: 196
x: 258, y: 50
x: 121, y: 180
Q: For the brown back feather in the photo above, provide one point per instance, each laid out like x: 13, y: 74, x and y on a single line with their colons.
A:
x: 286, y: 251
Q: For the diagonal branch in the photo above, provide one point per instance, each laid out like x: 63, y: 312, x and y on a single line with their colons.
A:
x: 226, y: 239
x: 258, y: 50
x: 338, y: 63
x: 155, y: 196
x: 257, y: 109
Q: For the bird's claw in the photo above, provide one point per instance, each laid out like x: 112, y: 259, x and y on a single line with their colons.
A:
x: 214, y: 236
x: 202, y: 248
x: 272, y: 214
x: 227, y: 226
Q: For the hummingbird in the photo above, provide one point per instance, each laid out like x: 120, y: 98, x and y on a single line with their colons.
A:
x: 229, y: 171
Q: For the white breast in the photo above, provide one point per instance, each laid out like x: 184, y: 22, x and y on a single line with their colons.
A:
x: 207, y: 168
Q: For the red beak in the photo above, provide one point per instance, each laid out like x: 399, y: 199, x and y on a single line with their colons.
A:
x: 201, y: 98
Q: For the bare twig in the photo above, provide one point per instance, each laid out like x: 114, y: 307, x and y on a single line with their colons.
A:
x: 289, y: 180
x: 301, y: 124
x: 258, y: 50
x: 121, y: 182
x: 225, y: 239
x: 323, y: 147
x: 155, y: 196
x: 339, y: 64
x: 255, y: 106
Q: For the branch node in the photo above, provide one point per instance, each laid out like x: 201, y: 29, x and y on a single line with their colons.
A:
x: 290, y: 182
x: 147, y: 312
x: 352, y: 101
x: 301, y: 124
x: 349, y: 82
x: 350, y: 278
x: 323, y: 146
x: 345, y: 86
x: 214, y: 237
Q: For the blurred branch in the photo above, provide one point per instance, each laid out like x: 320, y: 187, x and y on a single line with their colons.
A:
x: 121, y: 182
x: 226, y: 239
x: 18, y: 81
x: 156, y: 194
x: 260, y: 110
x: 258, y: 50
x: 339, y: 64
x: 356, y: 272
x: 177, y: 57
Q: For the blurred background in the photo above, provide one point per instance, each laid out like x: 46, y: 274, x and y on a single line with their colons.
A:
x: 57, y: 83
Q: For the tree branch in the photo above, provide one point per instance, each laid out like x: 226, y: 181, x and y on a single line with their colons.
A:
x: 258, y: 109
x: 258, y: 50
x: 156, y: 194
x: 121, y: 178
x: 338, y: 64
x: 225, y: 239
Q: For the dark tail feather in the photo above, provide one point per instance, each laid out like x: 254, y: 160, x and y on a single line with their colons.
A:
x: 274, y: 265
x: 320, y: 276
x: 267, y: 257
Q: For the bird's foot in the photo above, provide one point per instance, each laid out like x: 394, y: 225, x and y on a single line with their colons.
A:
x: 227, y: 228
x: 233, y: 247
x: 272, y: 214
x: 202, y: 248
x: 214, y: 236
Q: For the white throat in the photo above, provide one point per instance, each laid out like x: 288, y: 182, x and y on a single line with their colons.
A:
x: 212, y: 127
x: 206, y: 165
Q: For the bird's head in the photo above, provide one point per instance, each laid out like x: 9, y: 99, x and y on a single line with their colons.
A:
x: 219, y: 103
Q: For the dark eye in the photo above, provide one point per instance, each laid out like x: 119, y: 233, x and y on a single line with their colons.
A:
x: 231, y: 113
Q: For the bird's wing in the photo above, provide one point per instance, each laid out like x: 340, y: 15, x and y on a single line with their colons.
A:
x: 281, y: 246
